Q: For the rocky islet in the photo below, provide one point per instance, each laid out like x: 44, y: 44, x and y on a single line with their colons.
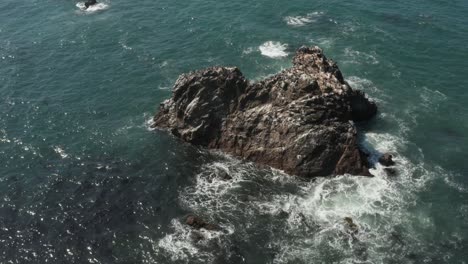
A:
x: 300, y: 120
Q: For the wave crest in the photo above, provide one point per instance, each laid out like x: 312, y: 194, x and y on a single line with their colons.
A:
x: 274, y: 49
x: 303, y: 20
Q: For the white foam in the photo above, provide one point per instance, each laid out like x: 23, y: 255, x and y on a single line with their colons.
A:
x: 359, y: 82
x: 183, y: 244
x: 126, y: 47
x: 211, y: 187
x: 298, y: 20
x: 367, y: 86
x: 178, y: 244
x: 61, y: 152
x: 323, y: 42
x: 315, y: 211
x: 4, y: 137
x: 303, y: 20
x: 163, y: 64
x: 358, y: 57
x: 375, y: 204
x: 149, y: 122
x: 273, y: 49
x: 91, y: 9
x: 451, y: 180
x: 248, y: 50
x: 431, y: 98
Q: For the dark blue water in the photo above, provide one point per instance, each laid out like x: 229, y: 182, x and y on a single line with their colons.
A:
x: 84, y: 180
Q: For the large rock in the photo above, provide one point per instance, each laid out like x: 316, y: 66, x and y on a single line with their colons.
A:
x: 299, y: 120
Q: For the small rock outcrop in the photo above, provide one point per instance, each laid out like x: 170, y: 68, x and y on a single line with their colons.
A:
x: 198, y: 223
x: 352, y: 228
x: 386, y: 160
x: 299, y: 120
x: 391, y: 171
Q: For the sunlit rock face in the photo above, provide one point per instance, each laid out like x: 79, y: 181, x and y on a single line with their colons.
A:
x: 299, y: 120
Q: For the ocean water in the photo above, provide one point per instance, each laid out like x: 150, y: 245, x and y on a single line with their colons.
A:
x: 83, y: 179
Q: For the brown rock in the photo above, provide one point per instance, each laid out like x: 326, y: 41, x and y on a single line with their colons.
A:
x: 297, y: 120
x: 390, y: 171
x: 196, y: 236
x: 198, y: 223
x: 352, y: 227
x: 386, y: 160
x: 225, y: 176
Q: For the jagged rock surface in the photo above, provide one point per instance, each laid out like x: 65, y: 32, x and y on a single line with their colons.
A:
x: 298, y: 120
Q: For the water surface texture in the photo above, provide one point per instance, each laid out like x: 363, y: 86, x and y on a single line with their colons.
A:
x: 83, y: 179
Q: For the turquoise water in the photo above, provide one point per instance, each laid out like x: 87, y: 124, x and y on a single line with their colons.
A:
x: 84, y: 180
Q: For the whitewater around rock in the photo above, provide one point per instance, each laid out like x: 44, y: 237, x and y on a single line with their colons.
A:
x: 300, y: 120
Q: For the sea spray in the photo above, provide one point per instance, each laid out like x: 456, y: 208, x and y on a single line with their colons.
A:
x: 310, y: 214
x: 273, y: 49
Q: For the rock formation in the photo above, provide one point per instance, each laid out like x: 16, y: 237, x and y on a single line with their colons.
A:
x: 198, y: 223
x: 352, y: 228
x: 299, y: 120
x: 391, y: 171
x: 386, y: 160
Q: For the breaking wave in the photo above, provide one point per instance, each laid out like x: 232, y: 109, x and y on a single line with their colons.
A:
x: 93, y: 8
x: 358, y: 57
x: 323, y: 42
x: 186, y: 243
x: 295, y: 216
x: 303, y: 20
x: 274, y: 49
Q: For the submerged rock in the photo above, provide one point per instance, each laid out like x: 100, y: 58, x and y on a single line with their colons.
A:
x: 196, y: 236
x: 391, y: 171
x: 386, y: 160
x: 90, y: 3
x: 352, y: 227
x: 198, y: 223
x: 298, y: 120
x: 225, y: 176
